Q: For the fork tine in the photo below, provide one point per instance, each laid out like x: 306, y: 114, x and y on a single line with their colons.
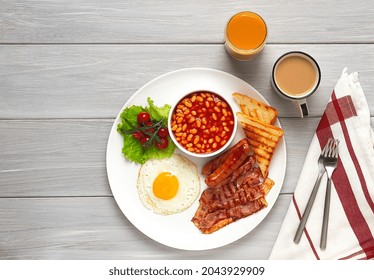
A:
x: 333, y: 149
x: 328, y: 147
x: 325, y: 148
x: 336, y: 150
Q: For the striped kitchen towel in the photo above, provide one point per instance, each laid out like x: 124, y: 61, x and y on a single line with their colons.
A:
x: 351, y: 223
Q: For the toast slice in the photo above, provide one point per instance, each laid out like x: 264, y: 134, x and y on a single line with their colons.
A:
x: 263, y: 139
x: 256, y: 109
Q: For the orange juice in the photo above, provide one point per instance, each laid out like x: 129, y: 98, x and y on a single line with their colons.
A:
x: 245, y: 35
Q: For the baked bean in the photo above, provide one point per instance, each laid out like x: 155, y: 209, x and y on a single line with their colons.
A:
x: 224, y: 112
x: 198, y: 123
x: 191, y: 120
x: 202, y: 122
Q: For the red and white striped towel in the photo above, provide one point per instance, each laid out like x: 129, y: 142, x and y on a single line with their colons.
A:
x: 351, y: 223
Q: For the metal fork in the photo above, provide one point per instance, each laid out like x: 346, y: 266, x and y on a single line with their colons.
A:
x: 330, y: 162
x: 313, y: 194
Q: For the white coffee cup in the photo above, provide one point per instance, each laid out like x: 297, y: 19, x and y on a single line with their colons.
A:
x: 296, y: 76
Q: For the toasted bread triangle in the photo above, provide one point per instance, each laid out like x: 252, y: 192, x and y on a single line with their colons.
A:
x: 256, y: 109
x: 263, y: 139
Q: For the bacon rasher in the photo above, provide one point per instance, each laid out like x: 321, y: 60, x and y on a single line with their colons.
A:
x: 238, y: 196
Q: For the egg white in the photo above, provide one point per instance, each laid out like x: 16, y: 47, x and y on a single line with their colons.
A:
x: 188, y: 178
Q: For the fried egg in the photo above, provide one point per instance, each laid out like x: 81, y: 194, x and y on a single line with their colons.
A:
x: 168, y: 186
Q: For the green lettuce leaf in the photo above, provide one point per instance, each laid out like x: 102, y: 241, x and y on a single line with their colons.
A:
x: 159, y: 113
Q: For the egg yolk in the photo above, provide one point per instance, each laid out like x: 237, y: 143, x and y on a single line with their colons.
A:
x: 165, y: 186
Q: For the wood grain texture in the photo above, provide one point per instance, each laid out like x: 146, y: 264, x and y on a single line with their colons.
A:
x: 195, y: 21
x: 54, y: 158
x: 94, y: 81
x: 94, y: 228
x: 67, y: 68
x: 43, y: 158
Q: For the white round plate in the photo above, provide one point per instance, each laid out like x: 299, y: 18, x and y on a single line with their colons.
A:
x: 177, y: 230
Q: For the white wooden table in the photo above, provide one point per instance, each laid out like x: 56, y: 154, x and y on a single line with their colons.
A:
x: 67, y: 68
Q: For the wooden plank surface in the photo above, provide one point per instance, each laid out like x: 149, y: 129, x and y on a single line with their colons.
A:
x: 195, y: 21
x: 44, y: 158
x: 94, y: 81
x: 94, y: 228
x: 67, y: 68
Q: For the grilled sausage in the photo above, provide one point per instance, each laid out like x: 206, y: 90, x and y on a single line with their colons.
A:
x: 212, y: 165
x: 232, y: 162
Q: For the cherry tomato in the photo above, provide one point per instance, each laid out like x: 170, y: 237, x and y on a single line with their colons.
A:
x: 144, y: 139
x: 163, y: 144
x: 148, y: 123
x: 138, y: 135
x: 163, y: 132
x: 143, y: 117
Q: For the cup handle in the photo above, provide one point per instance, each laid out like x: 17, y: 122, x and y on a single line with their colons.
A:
x: 302, y: 107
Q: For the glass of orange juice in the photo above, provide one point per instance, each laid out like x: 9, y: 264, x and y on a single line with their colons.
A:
x: 245, y: 35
